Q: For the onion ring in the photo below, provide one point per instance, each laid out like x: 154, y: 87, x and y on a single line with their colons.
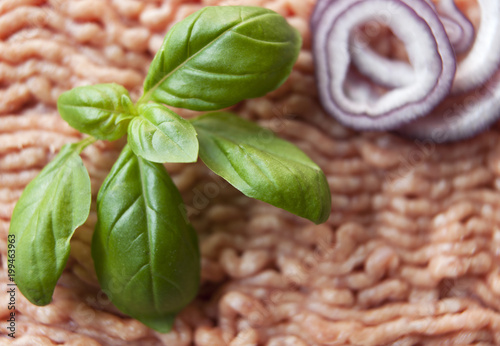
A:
x: 428, y: 47
x: 474, y: 70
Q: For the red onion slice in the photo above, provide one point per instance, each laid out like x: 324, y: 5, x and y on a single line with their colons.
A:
x: 484, y: 56
x: 461, y: 116
x: 416, y: 24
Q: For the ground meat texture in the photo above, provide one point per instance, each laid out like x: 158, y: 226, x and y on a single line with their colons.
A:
x: 408, y: 256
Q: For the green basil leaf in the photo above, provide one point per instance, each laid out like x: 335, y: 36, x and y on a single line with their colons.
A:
x: 160, y: 135
x: 51, y: 207
x: 221, y: 55
x: 262, y: 165
x: 97, y: 110
x: 145, y: 253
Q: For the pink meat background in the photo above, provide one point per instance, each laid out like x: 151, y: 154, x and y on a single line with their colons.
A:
x: 410, y: 254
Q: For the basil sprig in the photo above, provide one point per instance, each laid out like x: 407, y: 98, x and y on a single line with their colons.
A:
x: 145, y: 253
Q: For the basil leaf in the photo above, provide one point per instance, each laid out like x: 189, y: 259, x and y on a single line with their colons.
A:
x: 51, y: 207
x: 160, y: 135
x: 219, y: 56
x: 145, y: 253
x: 97, y: 110
x: 262, y: 165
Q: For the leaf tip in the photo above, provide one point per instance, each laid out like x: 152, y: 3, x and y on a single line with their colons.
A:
x: 42, y: 301
x: 321, y: 219
x: 36, y: 297
x: 162, y: 324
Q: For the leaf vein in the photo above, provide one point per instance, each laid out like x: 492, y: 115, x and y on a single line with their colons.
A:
x: 218, y: 145
x: 272, y: 181
x: 292, y: 172
x: 180, y: 97
x: 188, y: 46
x: 173, y: 284
x: 259, y: 40
x: 148, y: 225
x: 98, y: 108
x: 133, y: 242
x: 112, y: 228
x: 224, y: 74
x: 165, y: 135
x: 133, y: 276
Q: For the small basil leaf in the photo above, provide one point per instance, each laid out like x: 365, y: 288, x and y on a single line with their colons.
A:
x: 160, y: 135
x: 51, y: 207
x: 97, y: 110
x: 262, y: 165
x: 127, y: 104
x: 219, y: 56
x: 145, y: 253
